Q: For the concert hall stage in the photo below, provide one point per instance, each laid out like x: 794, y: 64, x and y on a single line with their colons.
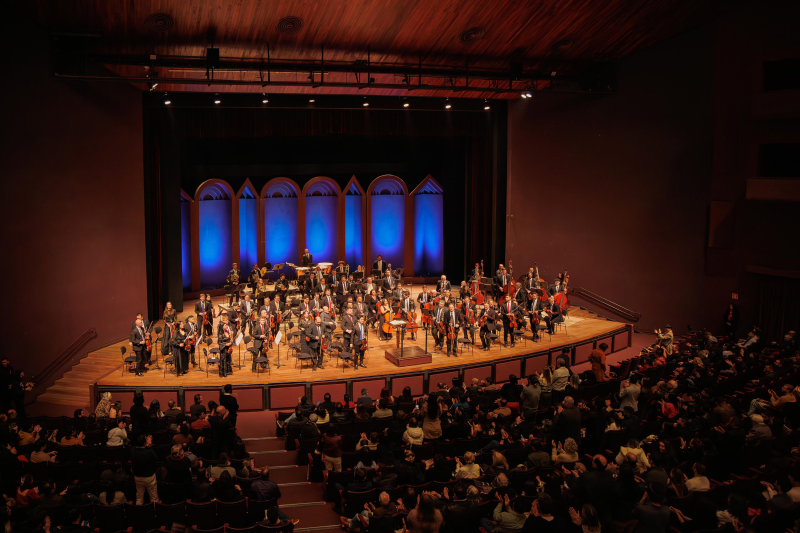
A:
x: 281, y: 388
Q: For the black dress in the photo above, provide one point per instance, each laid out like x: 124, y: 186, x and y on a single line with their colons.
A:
x: 179, y: 352
x: 169, y: 318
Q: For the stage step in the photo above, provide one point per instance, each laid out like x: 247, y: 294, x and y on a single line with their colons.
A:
x: 64, y: 399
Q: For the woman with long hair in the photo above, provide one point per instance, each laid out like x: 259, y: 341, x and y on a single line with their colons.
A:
x: 546, y: 382
x: 588, y: 519
x: 431, y: 424
x: 384, y: 311
x: 169, y: 324
x: 425, y: 517
x: 27, y: 494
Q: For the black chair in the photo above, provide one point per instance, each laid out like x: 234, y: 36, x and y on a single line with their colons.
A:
x: 167, y: 514
x: 281, y: 527
x: 258, y: 360
x: 111, y: 518
x: 220, y: 529
x: 233, y: 513
x: 130, y: 360
x: 204, y: 514
x: 141, y: 517
x: 303, y: 357
x: 213, y: 360
x: 257, y: 510
x: 354, y: 502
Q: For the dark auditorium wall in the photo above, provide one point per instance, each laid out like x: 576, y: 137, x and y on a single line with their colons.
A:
x: 620, y: 188
x: 73, y: 206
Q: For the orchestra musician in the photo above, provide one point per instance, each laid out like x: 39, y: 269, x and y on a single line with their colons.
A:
x: 372, y: 307
x: 520, y: 295
x: 360, y: 308
x: 192, y: 331
x: 555, y: 288
x: 322, y: 286
x: 305, y: 306
x: 307, y: 260
x: 467, y: 309
x: 397, y: 293
x: 260, y: 291
x: 138, y: 342
x: 282, y: 285
x: 448, y: 299
x: 234, y: 275
x: 463, y: 291
x: 489, y: 325
x: 423, y: 297
x: 500, y: 281
x: 499, y: 270
x: 508, y: 308
x: 379, y: 264
x: 170, y: 316
x: 369, y: 285
x: 389, y: 283
x: 438, y: 316
x: 260, y: 339
x: 454, y: 320
x: 407, y: 306
x: 303, y: 324
x: 201, y: 309
x: 316, y: 304
x: 382, y: 312
x: 530, y: 283
x: 248, y: 307
x: 308, y: 284
x: 255, y: 275
x: 359, y: 346
x: 342, y: 289
x: 225, y: 341
x: 179, y: 354
x: 341, y: 269
x: 476, y: 273
x: 328, y: 324
x: 348, y: 327
x: 443, y: 285
x: 556, y: 316
x: 314, y: 333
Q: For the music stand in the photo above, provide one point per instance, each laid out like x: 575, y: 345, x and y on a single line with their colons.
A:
x: 428, y: 313
x: 400, y: 324
x: 157, y: 330
x: 358, y: 275
x: 376, y: 273
x: 207, y: 341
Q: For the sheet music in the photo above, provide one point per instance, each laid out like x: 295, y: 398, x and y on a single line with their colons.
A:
x: 278, y: 337
x: 238, y: 339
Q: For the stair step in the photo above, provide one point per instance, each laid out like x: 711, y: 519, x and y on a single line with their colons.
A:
x: 83, y: 379
x: 64, y: 399
x: 69, y: 388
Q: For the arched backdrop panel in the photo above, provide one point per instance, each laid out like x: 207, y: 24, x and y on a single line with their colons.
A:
x: 280, y: 222
x: 215, y: 242
x: 429, y: 234
x: 387, y: 221
x: 186, y: 245
x: 322, y: 224
x: 353, y: 228
x: 248, y: 231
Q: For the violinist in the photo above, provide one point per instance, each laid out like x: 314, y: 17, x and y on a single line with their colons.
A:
x: 443, y: 285
x: 261, y: 336
x: 225, y: 340
x: 407, y: 306
x: 555, y: 288
x: 191, y: 333
x: 179, y: 354
x: 305, y: 306
x: 438, y: 317
x: 358, y: 339
x: 520, y: 295
x: 138, y: 342
x: 170, y: 315
x: 307, y: 260
x: 467, y: 310
x: 423, y: 297
x: 316, y: 304
x: 248, y: 307
x: 267, y: 305
x: 555, y: 316
x: 235, y: 317
x: 488, y: 327
x: 384, y: 315
x: 508, y: 309
x: 454, y: 321
x: 201, y: 309
x: 389, y: 283
x: 463, y: 291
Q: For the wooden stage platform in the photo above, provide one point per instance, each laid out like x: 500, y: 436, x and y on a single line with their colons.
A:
x: 102, y: 371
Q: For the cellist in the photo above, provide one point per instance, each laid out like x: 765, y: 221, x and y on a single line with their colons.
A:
x: 454, y: 321
x: 508, y: 308
x: 438, y: 316
x: 488, y: 316
x: 467, y: 309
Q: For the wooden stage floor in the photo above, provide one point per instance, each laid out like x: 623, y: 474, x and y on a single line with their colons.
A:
x: 580, y: 328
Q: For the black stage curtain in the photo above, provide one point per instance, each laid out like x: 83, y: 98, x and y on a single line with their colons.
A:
x: 778, y: 304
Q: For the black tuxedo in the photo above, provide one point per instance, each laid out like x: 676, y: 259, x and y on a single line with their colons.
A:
x: 389, y: 284
x: 379, y: 265
x: 552, y: 290
x: 467, y: 306
x: 138, y: 336
x: 442, y: 286
x: 315, y: 333
x: 360, y: 309
x: 439, y: 315
x: 454, y: 319
x: 348, y: 322
x: 505, y: 313
x: 306, y: 260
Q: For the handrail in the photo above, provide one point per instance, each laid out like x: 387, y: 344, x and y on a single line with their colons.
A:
x: 605, y: 302
x: 67, y: 354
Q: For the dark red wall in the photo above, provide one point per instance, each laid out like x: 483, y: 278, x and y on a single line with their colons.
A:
x: 72, y: 205
x: 619, y: 188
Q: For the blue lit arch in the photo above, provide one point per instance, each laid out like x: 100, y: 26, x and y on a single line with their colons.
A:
x: 186, y: 240
x: 214, y: 200
x: 428, y: 213
x: 354, y: 210
x: 280, y: 197
x: 321, y: 196
x: 247, y: 199
x: 386, y: 197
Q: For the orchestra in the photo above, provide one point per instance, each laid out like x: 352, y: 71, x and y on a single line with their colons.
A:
x: 324, y: 300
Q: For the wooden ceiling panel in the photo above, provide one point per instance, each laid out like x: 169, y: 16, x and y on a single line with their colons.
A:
x: 393, y: 30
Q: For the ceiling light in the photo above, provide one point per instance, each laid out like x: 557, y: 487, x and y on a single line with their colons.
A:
x: 365, y: 104
x: 406, y: 104
x: 529, y: 95
x: 217, y: 101
x: 311, y: 101
x: 152, y: 85
x: 486, y: 107
x: 167, y: 102
x: 522, y: 95
x: 264, y: 101
x: 448, y: 106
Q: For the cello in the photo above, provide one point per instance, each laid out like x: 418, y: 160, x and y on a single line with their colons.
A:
x: 562, y: 298
x: 387, y: 327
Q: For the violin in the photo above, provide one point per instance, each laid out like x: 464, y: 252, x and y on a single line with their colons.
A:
x: 324, y: 343
x: 512, y: 321
x: 484, y: 316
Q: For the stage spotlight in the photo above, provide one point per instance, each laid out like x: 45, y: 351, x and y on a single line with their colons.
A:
x: 264, y: 101
x: 217, y: 101
x: 406, y: 104
x: 167, y: 102
x: 448, y: 106
x: 523, y: 95
x: 365, y: 104
x: 311, y: 101
x: 529, y: 95
x: 486, y: 107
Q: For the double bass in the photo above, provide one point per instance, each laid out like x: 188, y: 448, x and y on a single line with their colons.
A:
x: 562, y: 298
x: 475, y: 288
x: 536, y: 280
x: 511, y: 286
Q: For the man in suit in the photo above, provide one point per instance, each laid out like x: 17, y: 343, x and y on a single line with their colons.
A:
x: 379, y: 264
x: 408, y: 306
x: 307, y: 259
x: 328, y: 323
x: 341, y: 270
x: 329, y: 301
x: 260, y: 338
x: 438, y: 317
x: 235, y: 317
x: 322, y: 286
x: 139, y: 344
x: 255, y: 275
x: 233, y: 280
x: 359, y: 335
x: 489, y: 325
x: 453, y: 320
x: 348, y: 327
x: 306, y: 305
x: 248, y: 306
x: 500, y: 281
x: 369, y: 285
x: 201, y: 309
x: 342, y: 290
x: 536, y: 306
x: 555, y: 288
x: 309, y: 282
x: 190, y: 326
x: 389, y: 284
x: 508, y: 308
x: 423, y: 297
x: 314, y: 332
x: 443, y: 285
x: 316, y: 304
x: 520, y: 296
x: 360, y: 308
x: 282, y: 285
x: 555, y: 314
x: 227, y: 400
x: 268, y: 306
